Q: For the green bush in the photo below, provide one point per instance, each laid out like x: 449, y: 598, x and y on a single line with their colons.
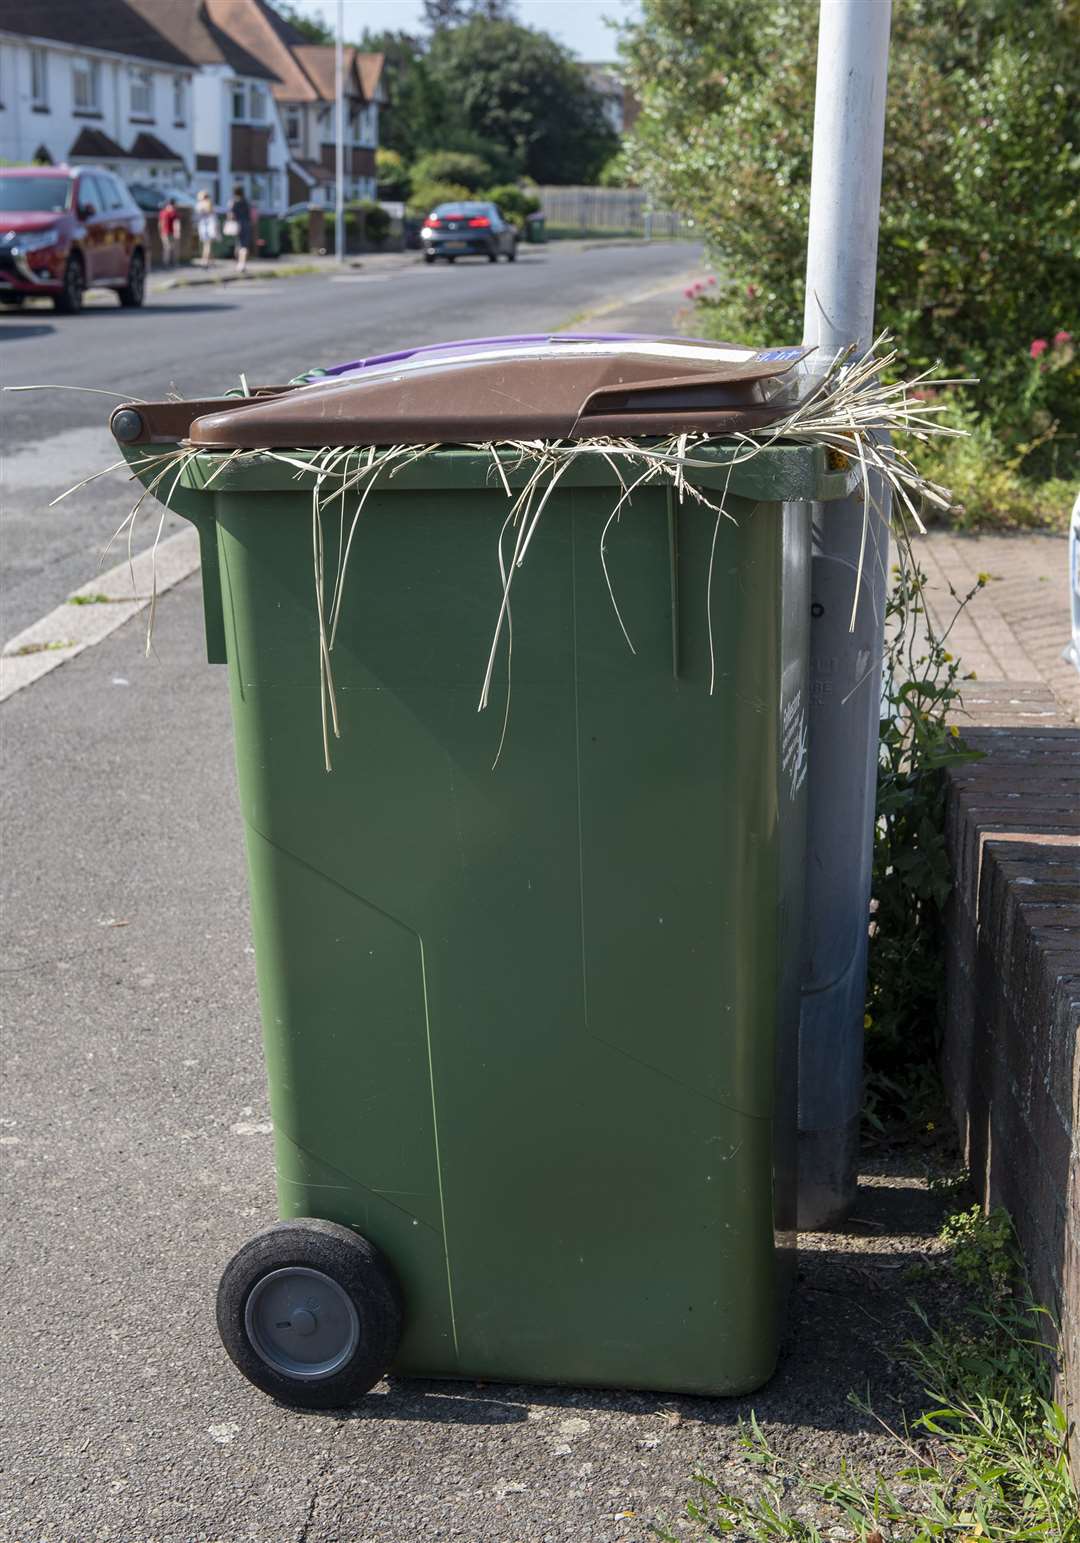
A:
x: 514, y: 202
x: 426, y: 196
x: 374, y: 222
x: 295, y: 233
x: 979, y: 250
x: 392, y: 175
x: 451, y: 166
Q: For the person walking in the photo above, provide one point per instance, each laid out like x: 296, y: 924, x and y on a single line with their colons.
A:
x: 207, y: 224
x: 168, y: 223
x: 238, y: 224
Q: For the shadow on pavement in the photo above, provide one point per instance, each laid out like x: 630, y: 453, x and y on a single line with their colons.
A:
x: 849, y: 1313
x: 25, y: 331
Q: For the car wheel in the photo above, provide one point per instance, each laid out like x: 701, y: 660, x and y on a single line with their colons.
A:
x: 134, y: 291
x: 310, y: 1312
x: 511, y: 256
x: 450, y: 259
x: 493, y: 255
x: 70, y: 298
x: 429, y: 258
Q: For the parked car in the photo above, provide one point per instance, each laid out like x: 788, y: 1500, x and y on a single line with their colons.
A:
x: 468, y: 229
x: 64, y: 230
x: 151, y: 198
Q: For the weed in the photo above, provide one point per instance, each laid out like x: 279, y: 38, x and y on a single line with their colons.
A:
x: 984, y: 1253
x: 42, y: 648
x: 90, y: 600
x: 912, y: 878
x: 986, y: 1460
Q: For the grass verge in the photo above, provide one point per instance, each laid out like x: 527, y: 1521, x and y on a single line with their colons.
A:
x: 984, y: 1461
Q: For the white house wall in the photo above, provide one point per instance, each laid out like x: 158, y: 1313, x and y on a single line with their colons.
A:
x: 23, y: 128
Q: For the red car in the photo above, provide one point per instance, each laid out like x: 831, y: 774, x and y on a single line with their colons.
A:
x: 64, y: 230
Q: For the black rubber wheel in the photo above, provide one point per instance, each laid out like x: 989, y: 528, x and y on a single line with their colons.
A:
x: 134, y: 291
x: 511, y: 256
x: 429, y: 258
x: 493, y: 257
x: 70, y: 299
x: 450, y: 259
x: 310, y: 1313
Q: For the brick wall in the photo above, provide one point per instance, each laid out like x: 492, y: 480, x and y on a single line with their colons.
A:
x: 1012, y: 1044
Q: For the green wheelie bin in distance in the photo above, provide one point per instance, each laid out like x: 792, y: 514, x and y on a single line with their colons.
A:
x: 530, y: 1027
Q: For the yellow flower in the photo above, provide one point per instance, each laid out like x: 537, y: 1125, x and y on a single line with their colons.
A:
x: 954, y: 731
x: 867, y: 1020
x: 946, y: 655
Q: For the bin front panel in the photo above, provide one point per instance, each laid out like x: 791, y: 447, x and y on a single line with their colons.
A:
x: 521, y: 1022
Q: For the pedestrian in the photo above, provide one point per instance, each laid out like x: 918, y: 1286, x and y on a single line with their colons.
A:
x: 168, y: 224
x: 238, y: 224
x: 207, y: 222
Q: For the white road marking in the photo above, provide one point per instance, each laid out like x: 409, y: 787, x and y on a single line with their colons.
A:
x: 109, y: 600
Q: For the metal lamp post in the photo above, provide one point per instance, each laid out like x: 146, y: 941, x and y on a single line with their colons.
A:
x: 845, y: 667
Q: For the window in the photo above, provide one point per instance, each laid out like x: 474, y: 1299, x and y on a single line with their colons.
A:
x: 39, y: 78
x: 86, y: 85
x: 258, y: 103
x: 239, y: 103
x: 142, y: 94
x: 179, y: 102
x: 91, y: 197
x: 110, y: 190
x: 292, y: 125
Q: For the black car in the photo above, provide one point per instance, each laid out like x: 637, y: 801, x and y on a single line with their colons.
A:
x: 468, y: 229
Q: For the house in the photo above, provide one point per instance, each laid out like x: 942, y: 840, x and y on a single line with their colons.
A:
x: 238, y: 132
x: 305, y: 94
x: 92, y: 81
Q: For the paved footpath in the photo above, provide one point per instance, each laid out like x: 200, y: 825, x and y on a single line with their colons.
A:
x: 1015, y: 628
x: 137, y: 1156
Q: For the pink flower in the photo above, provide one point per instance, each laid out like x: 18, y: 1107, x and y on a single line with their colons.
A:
x: 751, y: 292
x: 1060, y: 334
x: 1038, y: 348
x: 689, y: 292
x: 1060, y: 338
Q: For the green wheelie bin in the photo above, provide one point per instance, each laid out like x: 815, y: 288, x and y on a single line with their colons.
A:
x: 530, y: 1027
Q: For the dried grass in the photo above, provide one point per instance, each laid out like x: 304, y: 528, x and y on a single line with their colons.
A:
x: 849, y: 412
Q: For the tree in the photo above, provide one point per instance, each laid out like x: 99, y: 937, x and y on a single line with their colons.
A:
x: 310, y: 29
x: 520, y: 91
x: 411, y: 120
x: 455, y: 13
x: 980, y: 209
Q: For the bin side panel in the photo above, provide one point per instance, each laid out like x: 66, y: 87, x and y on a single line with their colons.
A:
x: 590, y: 1143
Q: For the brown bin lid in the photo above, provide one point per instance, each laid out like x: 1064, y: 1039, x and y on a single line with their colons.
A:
x: 563, y: 390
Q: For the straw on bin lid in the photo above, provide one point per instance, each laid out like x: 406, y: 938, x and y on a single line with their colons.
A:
x: 574, y: 389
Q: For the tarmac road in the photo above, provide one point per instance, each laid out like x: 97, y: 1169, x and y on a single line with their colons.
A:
x: 134, y: 1134
x: 196, y: 341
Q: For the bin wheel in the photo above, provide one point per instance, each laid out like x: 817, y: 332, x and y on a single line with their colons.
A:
x: 310, y: 1312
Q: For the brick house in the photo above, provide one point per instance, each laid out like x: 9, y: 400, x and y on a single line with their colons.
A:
x: 92, y: 81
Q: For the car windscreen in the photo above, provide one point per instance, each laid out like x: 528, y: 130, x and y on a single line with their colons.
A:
x: 463, y: 208
x: 34, y: 195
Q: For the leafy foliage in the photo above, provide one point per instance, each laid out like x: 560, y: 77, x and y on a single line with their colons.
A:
x: 483, y: 85
x: 468, y: 171
x: 911, y: 878
x: 521, y: 90
x: 985, y: 1462
x: 979, y: 249
x: 392, y: 174
x: 516, y: 203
